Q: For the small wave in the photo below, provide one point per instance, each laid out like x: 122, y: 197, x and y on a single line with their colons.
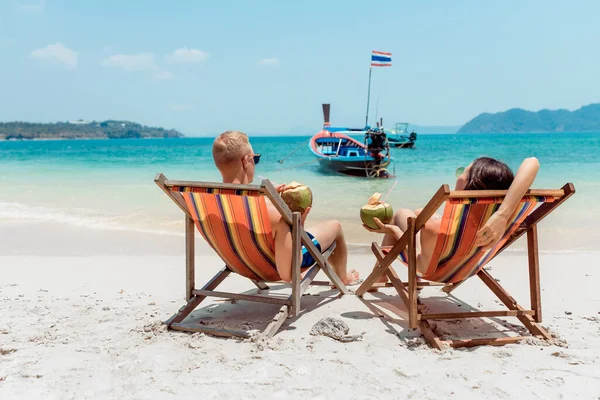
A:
x: 136, y: 222
x: 76, y: 217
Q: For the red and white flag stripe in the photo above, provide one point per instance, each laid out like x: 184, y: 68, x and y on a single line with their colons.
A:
x: 381, y: 53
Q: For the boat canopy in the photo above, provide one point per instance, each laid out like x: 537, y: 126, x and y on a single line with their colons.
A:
x: 338, y: 146
x: 342, y: 129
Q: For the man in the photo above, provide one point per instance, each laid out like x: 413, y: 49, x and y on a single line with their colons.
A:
x: 235, y: 159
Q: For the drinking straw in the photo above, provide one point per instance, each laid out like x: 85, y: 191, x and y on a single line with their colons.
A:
x: 389, y: 192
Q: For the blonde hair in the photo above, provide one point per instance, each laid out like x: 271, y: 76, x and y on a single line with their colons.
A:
x: 229, y: 146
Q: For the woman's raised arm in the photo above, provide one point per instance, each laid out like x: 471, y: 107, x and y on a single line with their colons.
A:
x: 494, y: 228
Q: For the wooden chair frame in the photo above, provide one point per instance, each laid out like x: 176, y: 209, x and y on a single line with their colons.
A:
x: 290, y: 307
x: 409, y: 293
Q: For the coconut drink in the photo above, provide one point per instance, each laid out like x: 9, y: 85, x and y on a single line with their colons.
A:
x: 376, y: 209
x: 297, y: 196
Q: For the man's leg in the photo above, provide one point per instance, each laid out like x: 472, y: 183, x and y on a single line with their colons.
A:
x: 326, y: 233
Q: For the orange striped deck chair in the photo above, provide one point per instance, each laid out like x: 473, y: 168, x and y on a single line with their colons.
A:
x: 234, y: 221
x: 456, y: 258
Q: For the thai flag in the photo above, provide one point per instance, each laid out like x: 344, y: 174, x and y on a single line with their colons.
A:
x: 381, y: 59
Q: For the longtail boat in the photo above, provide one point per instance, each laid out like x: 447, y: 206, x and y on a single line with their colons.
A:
x: 337, y: 151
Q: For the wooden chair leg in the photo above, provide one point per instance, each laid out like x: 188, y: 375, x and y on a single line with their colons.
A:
x: 261, y: 285
x: 190, y: 260
x: 299, y: 285
x: 534, y: 272
x: 412, y: 275
x: 511, y: 304
x: 276, y: 322
x: 190, y: 275
x: 433, y: 339
x: 383, y: 264
x: 195, y: 300
x: 449, y: 288
x: 296, y: 264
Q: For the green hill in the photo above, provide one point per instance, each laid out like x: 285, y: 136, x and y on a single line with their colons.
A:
x: 83, y: 130
x: 517, y: 120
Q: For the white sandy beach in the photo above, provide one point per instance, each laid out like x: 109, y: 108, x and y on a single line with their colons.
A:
x: 81, y: 312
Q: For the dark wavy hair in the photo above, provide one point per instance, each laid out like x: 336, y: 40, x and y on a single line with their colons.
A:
x: 489, y: 174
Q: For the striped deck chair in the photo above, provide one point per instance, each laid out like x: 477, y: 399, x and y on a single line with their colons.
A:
x: 456, y: 258
x: 233, y: 220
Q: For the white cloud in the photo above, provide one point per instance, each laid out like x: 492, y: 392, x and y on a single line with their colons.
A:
x: 162, y: 75
x: 56, y: 52
x: 137, y: 62
x: 131, y: 62
x: 34, y: 8
x: 180, y: 107
x: 185, y: 55
x: 269, y: 62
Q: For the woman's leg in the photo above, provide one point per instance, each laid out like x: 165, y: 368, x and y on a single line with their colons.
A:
x: 428, y: 239
x: 400, y: 219
x: 425, y: 238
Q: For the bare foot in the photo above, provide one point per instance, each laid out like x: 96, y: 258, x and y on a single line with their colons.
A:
x: 351, y: 277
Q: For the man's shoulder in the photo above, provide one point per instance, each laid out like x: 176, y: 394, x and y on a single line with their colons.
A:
x: 274, y: 214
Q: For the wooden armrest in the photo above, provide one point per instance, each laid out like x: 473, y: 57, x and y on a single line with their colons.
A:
x: 436, y: 201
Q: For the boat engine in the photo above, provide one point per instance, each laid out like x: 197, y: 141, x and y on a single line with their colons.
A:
x: 377, y: 147
x: 377, y: 143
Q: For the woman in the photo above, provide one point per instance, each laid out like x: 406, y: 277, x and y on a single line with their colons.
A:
x: 482, y: 174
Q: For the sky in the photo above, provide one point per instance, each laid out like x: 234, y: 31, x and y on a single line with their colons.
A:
x: 203, y: 67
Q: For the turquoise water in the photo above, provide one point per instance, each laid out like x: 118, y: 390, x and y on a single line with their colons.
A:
x: 108, y: 184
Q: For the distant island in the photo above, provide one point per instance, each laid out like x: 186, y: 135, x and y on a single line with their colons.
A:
x: 517, y: 120
x: 83, y: 130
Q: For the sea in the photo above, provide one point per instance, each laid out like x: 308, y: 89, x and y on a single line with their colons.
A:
x: 108, y: 184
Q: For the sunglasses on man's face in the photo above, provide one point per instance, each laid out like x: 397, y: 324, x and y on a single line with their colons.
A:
x: 460, y: 171
x: 256, y: 158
